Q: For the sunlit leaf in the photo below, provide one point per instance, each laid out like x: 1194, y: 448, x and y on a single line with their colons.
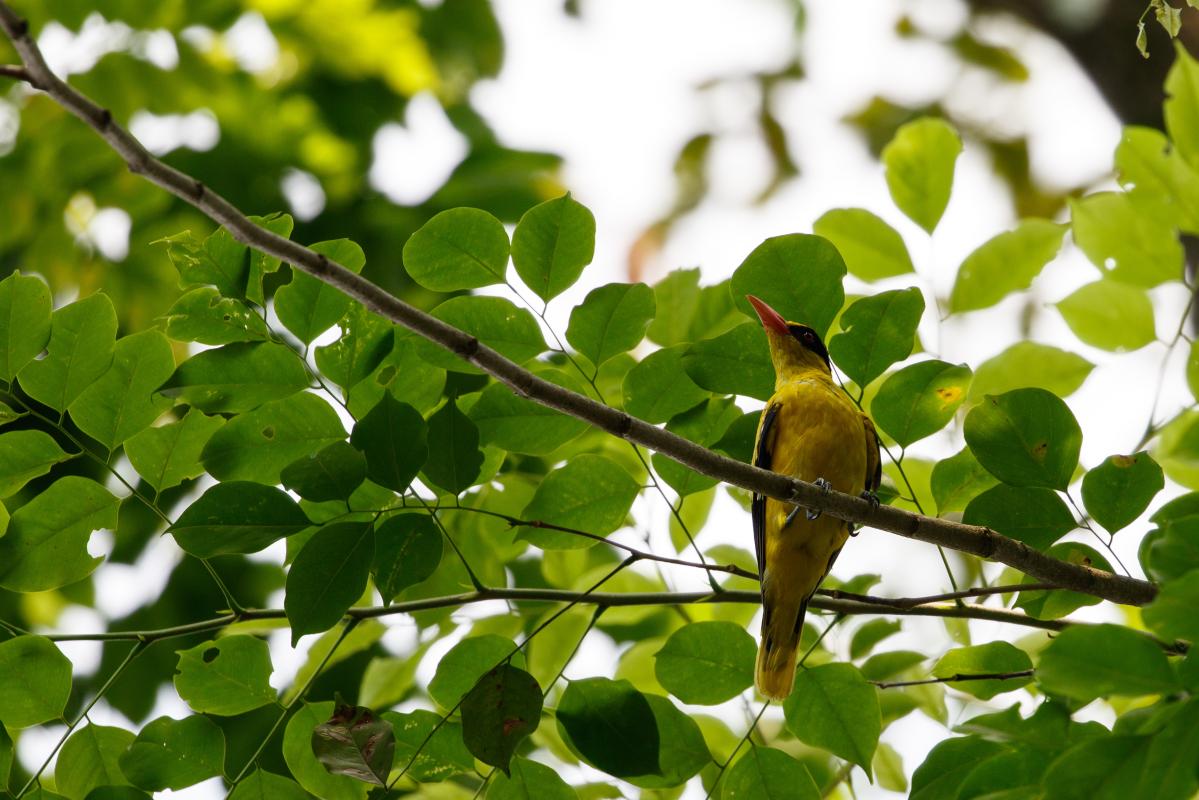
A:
x: 985, y: 659
x: 590, y: 492
x: 1110, y: 315
x: 872, y: 249
x: 657, y: 387
x: 82, y: 336
x: 552, y: 244
x: 1004, y: 264
x: 24, y: 321
x: 957, y: 480
x: 1124, y: 242
x: 797, y: 275
x: 494, y: 321
x: 121, y: 402
x: 919, y: 400
x: 259, y: 444
x: 611, y: 320
x: 1027, y: 364
x: 168, y: 455
x: 834, y: 707
x: 227, y: 676
x: 878, y: 331
x: 38, y: 681
x: 466, y: 663
x: 1026, y: 437
x: 706, y: 662
x: 919, y: 165
x: 24, y: 455
x: 462, y: 248
x: 203, y: 315
x: 237, y: 377
x: 1120, y: 489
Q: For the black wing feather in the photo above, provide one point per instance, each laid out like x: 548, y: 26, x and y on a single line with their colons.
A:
x: 763, y: 458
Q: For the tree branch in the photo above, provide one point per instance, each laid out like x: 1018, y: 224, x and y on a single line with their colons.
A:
x: 15, y: 72
x: 982, y: 676
x: 982, y: 542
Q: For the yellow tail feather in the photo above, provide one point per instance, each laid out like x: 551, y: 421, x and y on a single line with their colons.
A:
x: 777, y: 652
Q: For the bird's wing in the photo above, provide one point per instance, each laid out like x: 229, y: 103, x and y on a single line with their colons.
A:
x: 763, y: 458
x: 874, y: 463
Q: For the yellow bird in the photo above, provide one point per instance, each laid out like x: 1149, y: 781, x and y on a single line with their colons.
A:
x: 811, y: 430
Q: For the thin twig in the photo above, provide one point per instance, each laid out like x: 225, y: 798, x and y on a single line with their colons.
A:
x: 981, y: 676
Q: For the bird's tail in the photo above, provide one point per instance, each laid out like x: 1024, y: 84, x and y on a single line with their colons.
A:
x: 782, y: 624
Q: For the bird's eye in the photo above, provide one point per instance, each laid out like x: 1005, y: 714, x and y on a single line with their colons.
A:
x: 809, y: 337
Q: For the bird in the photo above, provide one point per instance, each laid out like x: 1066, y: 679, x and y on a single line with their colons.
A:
x: 809, y: 429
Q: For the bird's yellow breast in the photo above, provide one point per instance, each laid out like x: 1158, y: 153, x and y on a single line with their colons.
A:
x: 817, y: 433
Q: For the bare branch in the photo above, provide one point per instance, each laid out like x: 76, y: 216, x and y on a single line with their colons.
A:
x: 978, y: 541
x: 982, y: 676
x: 15, y: 72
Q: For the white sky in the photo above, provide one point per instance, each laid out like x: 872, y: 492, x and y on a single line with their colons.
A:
x: 615, y: 94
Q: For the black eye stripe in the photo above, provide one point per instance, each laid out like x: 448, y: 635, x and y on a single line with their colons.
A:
x: 809, y: 339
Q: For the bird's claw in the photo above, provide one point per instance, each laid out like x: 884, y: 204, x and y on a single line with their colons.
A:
x: 872, y: 498
x: 825, y: 487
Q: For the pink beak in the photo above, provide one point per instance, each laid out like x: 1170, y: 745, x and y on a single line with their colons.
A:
x: 770, y: 318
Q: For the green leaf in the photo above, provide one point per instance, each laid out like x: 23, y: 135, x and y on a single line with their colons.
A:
x: 1172, y: 549
x: 1181, y: 108
x: 1120, y: 489
x: 228, y: 676
x: 403, y: 374
x: 521, y: 425
x: 365, y: 341
x: 879, y: 331
x: 25, y: 455
x: 919, y: 162
x: 1171, y: 615
x: 657, y: 387
x: 798, y: 275
x: 705, y: 424
x: 465, y: 664
x: 80, y: 349
x: 1110, y: 315
x: 258, y: 444
x: 683, y: 752
x: 1026, y: 437
x: 462, y: 248
x: 261, y: 263
x: 1156, y: 177
x: 37, y: 681
x: 6, y: 755
x: 89, y: 759
x: 263, y: 785
x: 168, y: 455
x: 836, y: 709
x: 308, y: 306
x: 454, y: 456
x: 957, y: 480
x: 392, y: 437
x: 331, y: 473
x: 174, y: 753
x: 766, y: 773
x: 984, y: 659
x: 919, y: 400
x: 355, y: 743
x: 46, y: 543
x: 1192, y: 370
x: 297, y: 752
x: 590, y: 492
x: 870, y: 634
x: 237, y: 377
x: 611, y: 320
x: 687, y: 312
x: 328, y: 575
x: 442, y: 753
x: 1058, y: 603
x: 706, y: 663
x: 237, y: 517
x: 1089, y: 661
x: 888, y: 767
x: 121, y: 402
x: 1038, y: 517
x: 948, y: 764
x: 499, y: 713
x: 202, y: 315
x: 872, y: 249
x: 528, y: 780
x: 494, y: 321
x: 1004, y: 264
x: 1026, y: 364
x: 611, y: 725
x: 1124, y: 242
x: 24, y: 322
x: 1100, y: 769
x: 735, y: 362
x: 407, y: 551
x: 7, y: 414
x: 552, y: 244
x: 219, y: 260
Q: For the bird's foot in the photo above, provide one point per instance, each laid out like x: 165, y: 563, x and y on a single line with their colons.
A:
x: 872, y: 498
x: 825, y: 487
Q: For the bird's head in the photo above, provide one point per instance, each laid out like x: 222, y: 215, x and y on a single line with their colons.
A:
x: 794, y: 347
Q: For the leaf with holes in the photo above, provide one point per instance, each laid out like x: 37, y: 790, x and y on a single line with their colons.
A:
x: 228, y: 676
x: 355, y: 743
x: 879, y: 331
x: 259, y: 444
x: 203, y: 315
x: 45, y: 546
x: 82, y: 336
x: 500, y: 712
